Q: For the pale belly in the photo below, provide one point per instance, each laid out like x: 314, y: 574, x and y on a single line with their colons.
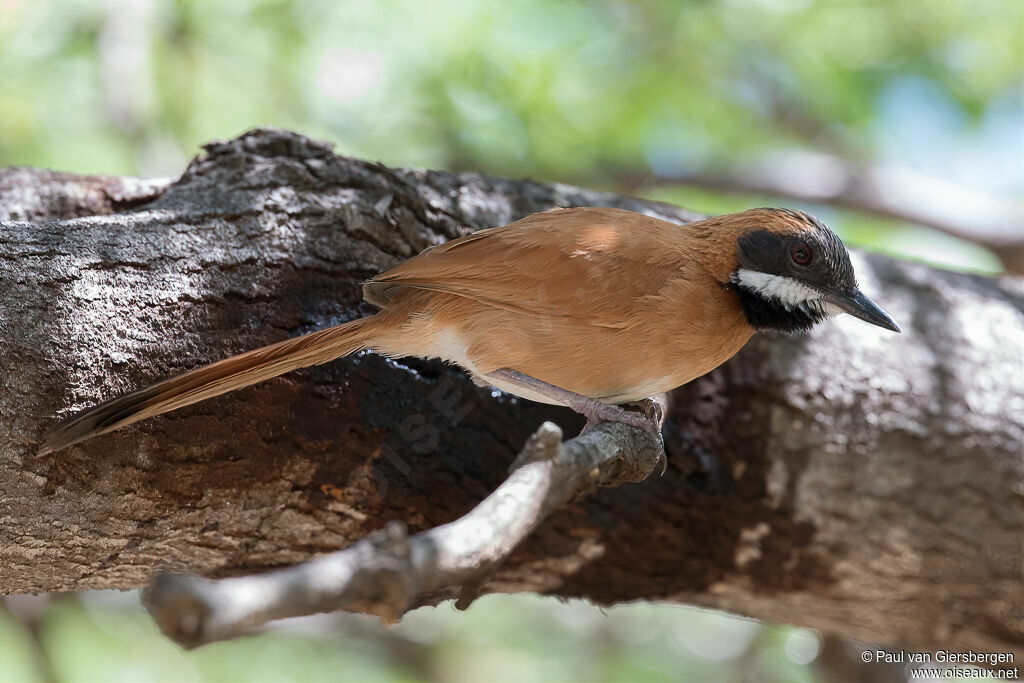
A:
x: 637, y: 375
x: 640, y: 392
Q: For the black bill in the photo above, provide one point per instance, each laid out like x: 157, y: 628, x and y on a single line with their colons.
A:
x: 859, y: 306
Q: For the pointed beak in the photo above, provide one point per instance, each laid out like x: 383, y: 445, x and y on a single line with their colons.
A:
x: 859, y: 306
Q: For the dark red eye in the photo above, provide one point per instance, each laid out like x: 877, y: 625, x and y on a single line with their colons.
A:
x: 801, y: 254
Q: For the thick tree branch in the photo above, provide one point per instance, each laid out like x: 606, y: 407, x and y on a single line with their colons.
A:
x: 862, y: 483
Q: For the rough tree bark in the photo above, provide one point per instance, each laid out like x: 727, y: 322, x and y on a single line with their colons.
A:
x: 852, y: 480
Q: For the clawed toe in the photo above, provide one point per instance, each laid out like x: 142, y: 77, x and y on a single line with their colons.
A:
x: 648, y: 419
x: 659, y: 442
x: 650, y: 408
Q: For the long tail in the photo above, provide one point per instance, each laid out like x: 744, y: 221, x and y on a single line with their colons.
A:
x: 212, y: 380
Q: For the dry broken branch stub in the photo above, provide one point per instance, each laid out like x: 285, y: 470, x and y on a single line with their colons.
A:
x: 384, y: 573
x: 863, y: 484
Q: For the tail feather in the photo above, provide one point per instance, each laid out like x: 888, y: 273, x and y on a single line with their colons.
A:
x: 211, y: 380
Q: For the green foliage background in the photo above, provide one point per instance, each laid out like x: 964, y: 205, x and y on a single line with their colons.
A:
x: 604, y: 93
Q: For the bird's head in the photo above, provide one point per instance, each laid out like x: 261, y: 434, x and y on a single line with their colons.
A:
x: 793, y: 272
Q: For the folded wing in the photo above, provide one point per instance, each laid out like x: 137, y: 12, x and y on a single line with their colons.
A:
x: 591, y: 265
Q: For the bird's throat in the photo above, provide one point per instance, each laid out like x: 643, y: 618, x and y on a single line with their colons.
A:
x: 765, y: 310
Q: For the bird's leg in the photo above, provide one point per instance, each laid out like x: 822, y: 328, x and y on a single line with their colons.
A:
x: 595, y: 411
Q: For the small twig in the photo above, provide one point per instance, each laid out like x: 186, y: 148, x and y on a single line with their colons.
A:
x: 383, y: 574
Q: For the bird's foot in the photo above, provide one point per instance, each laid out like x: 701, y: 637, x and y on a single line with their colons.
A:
x: 647, y: 417
x: 652, y: 408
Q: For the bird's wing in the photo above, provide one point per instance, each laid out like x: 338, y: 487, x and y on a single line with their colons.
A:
x: 590, y: 264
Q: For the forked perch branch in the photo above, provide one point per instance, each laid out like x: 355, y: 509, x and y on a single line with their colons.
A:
x: 387, y: 572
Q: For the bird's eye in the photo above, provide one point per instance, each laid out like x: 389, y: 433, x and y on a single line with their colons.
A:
x: 801, y: 254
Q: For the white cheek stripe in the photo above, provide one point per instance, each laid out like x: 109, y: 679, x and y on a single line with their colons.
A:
x: 785, y: 289
x: 789, y: 292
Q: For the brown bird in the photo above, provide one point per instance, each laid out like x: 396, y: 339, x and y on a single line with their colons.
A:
x: 587, y: 307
